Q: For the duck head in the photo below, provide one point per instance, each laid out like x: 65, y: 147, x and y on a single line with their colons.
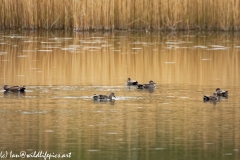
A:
x: 112, y: 95
x: 5, y: 87
x: 151, y: 82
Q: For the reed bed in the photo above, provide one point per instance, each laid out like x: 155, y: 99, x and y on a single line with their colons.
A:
x: 82, y: 15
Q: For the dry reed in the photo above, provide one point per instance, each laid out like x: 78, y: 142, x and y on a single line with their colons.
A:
x: 120, y: 14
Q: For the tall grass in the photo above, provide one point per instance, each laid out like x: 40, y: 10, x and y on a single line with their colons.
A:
x: 120, y: 14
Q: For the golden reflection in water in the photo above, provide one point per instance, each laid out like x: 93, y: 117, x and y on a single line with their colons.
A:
x: 109, y: 59
x: 144, y: 127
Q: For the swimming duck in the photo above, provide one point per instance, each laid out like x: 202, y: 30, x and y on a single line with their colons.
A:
x: 220, y: 92
x: 146, y: 86
x: 213, y: 97
x: 103, y: 97
x: 131, y: 82
x: 14, y: 88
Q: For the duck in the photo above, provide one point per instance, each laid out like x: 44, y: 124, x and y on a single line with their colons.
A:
x: 14, y: 88
x: 221, y: 93
x: 213, y: 97
x: 146, y: 86
x: 131, y: 82
x: 103, y: 97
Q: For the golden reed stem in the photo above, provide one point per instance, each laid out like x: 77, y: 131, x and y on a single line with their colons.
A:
x: 82, y: 15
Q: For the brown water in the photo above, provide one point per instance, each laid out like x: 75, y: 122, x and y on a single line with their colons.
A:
x: 62, y: 71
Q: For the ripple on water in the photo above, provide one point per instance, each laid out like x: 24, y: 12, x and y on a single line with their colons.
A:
x: 158, y: 149
x: 41, y: 50
x: 93, y: 150
x: 72, y: 97
x: 33, y: 112
x: 111, y: 133
x: 183, y: 97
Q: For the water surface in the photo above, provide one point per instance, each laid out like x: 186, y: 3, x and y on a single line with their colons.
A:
x: 62, y: 71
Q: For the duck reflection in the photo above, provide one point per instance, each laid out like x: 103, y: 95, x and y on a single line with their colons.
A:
x: 112, y: 102
x: 8, y: 94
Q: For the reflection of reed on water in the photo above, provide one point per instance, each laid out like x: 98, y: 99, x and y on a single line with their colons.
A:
x: 95, y: 63
x: 161, y: 123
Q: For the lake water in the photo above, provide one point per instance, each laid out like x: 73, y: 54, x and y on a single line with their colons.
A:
x: 62, y: 71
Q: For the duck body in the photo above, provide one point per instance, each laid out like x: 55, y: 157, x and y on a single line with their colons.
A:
x: 14, y: 88
x: 131, y: 82
x: 210, y: 98
x: 103, y: 97
x: 221, y: 93
x: 151, y: 85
